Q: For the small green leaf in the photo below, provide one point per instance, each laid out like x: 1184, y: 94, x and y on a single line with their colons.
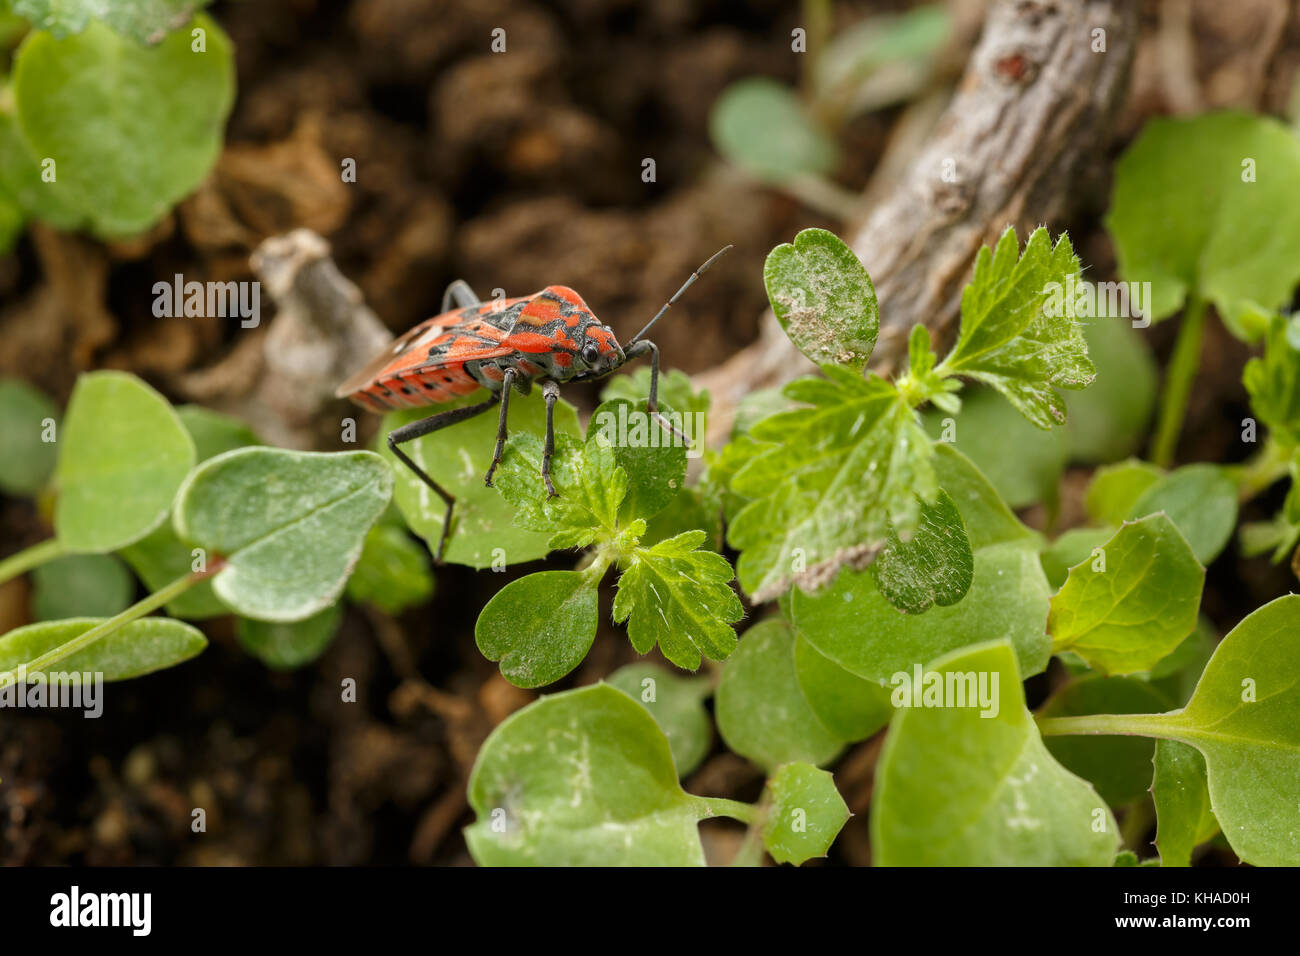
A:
x: 653, y: 460
x: 1245, y: 719
x: 935, y: 567
x: 582, y: 778
x: 135, y: 649
x: 26, y: 458
x: 849, y: 706
x: 81, y: 585
x: 540, y: 626
x: 1115, y: 490
x: 1273, y: 381
x: 23, y: 180
x: 761, y: 710
x: 1072, y: 548
x: 804, y: 814
x: 1207, y: 204
x: 124, y: 454
x: 393, y: 571
x: 680, y: 598
x: 284, y: 645
x: 957, y: 788
x: 1014, y: 335
x: 289, y: 524
x: 1132, y: 604
x: 213, y: 432
x: 987, y: 518
x: 1118, y: 767
x: 483, y: 526
x: 677, y: 705
x: 144, y: 20
x: 1184, y: 818
x: 675, y: 390
x: 826, y: 481
x: 763, y: 127
x: 1201, y: 500
x: 823, y: 298
x: 1109, y: 418
x: 132, y: 129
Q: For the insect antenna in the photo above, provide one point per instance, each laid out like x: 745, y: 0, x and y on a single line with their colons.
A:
x: 676, y: 295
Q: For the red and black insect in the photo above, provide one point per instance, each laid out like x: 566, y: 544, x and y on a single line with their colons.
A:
x: 549, y: 337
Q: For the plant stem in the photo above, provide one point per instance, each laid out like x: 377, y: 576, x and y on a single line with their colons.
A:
x: 1180, y: 375
x: 29, y: 558
x: 1142, y: 725
x: 1270, y: 464
x: 104, y: 628
x: 735, y: 809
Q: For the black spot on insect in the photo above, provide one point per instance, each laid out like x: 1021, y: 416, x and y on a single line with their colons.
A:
x: 407, y: 390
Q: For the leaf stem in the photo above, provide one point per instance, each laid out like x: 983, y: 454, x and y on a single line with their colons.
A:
x: 104, y: 628
x: 1129, y: 725
x: 29, y: 558
x: 722, y: 807
x: 1256, y: 475
x: 1181, y: 373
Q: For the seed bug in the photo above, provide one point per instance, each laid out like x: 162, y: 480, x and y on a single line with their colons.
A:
x: 549, y: 337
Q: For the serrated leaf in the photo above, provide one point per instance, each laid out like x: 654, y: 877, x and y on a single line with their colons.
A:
x: 1184, y: 818
x: 652, y: 458
x: 761, y: 709
x: 823, y: 298
x: 744, y: 125
x: 825, y: 482
x: 540, y: 626
x: 956, y: 788
x: 677, y: 705
x: 582, y: 778
x: 393, y: 571
x: 676, y: 390
x: 457, y: 457
x: 134, y: 649
x: 290, y: 525
x: 81, y: 585
x: 1185, y: 214
x: 284, y: 645
x: 1201, y: 500
x: 123, y: 455
x: 1012, y: 337
x: 132, y: 129
x: 1130, y: 606
x: 935, y: 567
x: 804, y: 813
x: 679, y: 598
x: 1273, y: 381
x: 144, y: 20
x: 26, y: 459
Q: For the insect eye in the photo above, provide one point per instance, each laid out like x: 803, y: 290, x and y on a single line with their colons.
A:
x: 590, y: 354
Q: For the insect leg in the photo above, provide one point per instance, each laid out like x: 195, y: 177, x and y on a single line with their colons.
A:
x: 424, y: 427
x: 461, y: 294
x: 506, y: 382
x: 550, y: 392
x: 652, y: 404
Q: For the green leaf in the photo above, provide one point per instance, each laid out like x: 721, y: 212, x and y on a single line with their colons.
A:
x: 985, y: 427
x: 680, y: 598
x: 1072, y: 548
x: 955, y: 788
x: 1013, y: 336
x: 26, y: 459
x: 804, y: 813
x: 1115, y: 490
x: 11, y: 223
x: 826, y: 481
x: 393, y: 572
x: 935, y: 567
x: 987, y: 518
x: 1184, y: 818
x: 81, y: 585
x: 1273, y: 381
x: 144, y: 20
x: 762, y: 126
x: 761, y: 709
x: 1185, y: 217
x: 653, y: 460
x: 540, y: 626
x: 458, y: 458
x: 675, y: 390
x: 582, y: 778
x: 135, y: 649
x: 1201, y: 500
x: 1245, y: 719
x: 284, y: 645
x: 1109, y: 419
x: 1132, y: 604
x: 881, y: 60
x: 25, y: 182
x: 850, y: 707
x: 124, y: 454
x: 290, y: 525
x: 132, y: 129
x: 677, y: 705
x: 1118, y: 767
x: 213, y: 432
x: 823, y: 298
